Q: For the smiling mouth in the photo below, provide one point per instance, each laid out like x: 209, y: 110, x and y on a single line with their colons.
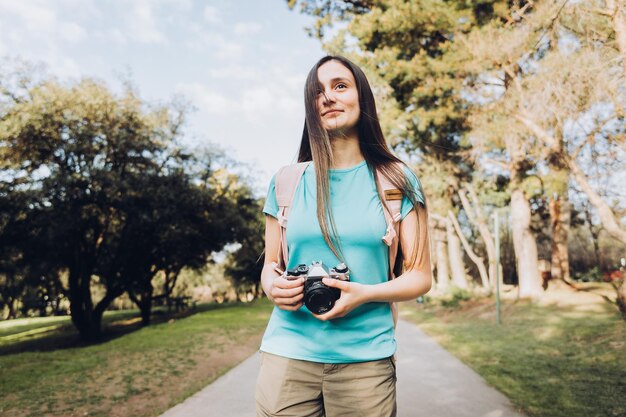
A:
x: 332, y: 112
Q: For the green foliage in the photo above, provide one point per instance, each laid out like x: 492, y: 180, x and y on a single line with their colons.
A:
x: 244, y: 265
x: 454, y: 297
x: 592, y: 275
x: 97, y: 184
x: 513, y: 90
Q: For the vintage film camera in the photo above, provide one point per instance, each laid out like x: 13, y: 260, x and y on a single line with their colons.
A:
x: 319, y: 298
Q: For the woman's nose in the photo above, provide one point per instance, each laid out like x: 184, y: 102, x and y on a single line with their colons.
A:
x: 328, y: 97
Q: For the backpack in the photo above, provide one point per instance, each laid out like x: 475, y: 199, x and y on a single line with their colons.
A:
x: 286, y: 183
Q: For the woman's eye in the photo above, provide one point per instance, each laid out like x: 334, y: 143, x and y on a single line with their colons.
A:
x: 341, y: 85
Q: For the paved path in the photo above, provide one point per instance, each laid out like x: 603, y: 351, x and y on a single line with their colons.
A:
x: 431, y: 383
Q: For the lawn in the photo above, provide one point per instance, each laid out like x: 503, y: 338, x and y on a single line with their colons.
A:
x: 561, y: 356
x: 133, y: 372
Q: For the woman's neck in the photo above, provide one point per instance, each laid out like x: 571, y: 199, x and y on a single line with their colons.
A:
x: 346, y: 151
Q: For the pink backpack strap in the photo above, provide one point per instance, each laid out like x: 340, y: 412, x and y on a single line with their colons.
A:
x: 393, y: 198
x: 286, y: 183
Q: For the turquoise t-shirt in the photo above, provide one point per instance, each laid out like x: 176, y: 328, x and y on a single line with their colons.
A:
x: 367, y: 332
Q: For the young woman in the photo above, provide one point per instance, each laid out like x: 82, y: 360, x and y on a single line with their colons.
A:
x: 340, y: 363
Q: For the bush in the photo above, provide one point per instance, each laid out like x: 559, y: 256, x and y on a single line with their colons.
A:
x: 454, y: 297
x: 592, y: 275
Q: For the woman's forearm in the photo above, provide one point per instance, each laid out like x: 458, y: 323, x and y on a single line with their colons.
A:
x: 407, y: 286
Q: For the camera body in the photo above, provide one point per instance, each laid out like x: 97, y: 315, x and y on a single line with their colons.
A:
x: 319, y: 298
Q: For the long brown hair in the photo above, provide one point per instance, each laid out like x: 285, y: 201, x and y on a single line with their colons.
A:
x: 315, y: 146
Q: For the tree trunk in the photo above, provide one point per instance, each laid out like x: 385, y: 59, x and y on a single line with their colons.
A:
x: 441, y: 253
x: 477, y: 218
x: 80, y: 302
x: 525, y: 246
x: 621, y: 298
x: 11, y: 305
x: 144, y: 303
x: 595, y: 236
x: 560, y: 218
x: 470, y: 252
x: 455, y: 255
x: 607, y: 218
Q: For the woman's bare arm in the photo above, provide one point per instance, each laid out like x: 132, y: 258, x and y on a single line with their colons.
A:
x: 416, y: 281
x: 285, y: 294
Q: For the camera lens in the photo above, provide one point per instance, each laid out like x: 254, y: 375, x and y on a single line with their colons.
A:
x: 320, y: 300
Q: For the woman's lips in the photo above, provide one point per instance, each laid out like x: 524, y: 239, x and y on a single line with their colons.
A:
x: 332, y: 112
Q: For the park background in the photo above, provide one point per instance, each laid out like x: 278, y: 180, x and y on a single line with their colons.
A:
x: 137, y: 140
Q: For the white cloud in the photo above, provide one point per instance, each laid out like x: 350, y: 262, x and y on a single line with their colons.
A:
x: 252, y: 105
x: 65, y: 67
x: 185, y: 5
x: 207, y: 100
x: 142, y: 25
x: 72, y: 32
x: 267, y: 101
x: 36, y: 16
x: 216, y: 44
x: 232, y: 71
x: 211, y: 14
x: 115, y: 35
x: 247, y: 28
x: 225, y: 49
x: 37, y: 21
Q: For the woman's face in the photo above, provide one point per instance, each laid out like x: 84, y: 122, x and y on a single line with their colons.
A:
x: 338, y: 105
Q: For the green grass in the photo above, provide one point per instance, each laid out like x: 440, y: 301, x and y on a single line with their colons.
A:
x: 140, y: 373
x: 552, y: 359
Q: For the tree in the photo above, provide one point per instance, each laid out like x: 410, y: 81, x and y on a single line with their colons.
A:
x: 243, y: 266
x: 105, y: 192
x: 409, y: 47
x: 496, y: 86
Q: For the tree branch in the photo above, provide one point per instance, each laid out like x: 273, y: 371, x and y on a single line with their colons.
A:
x: 468, y: 249
x: 607, y: 217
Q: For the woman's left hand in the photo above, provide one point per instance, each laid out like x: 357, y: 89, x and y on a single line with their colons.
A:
x: 353, y: 295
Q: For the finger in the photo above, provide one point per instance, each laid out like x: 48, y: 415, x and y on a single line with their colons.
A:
x: 281, y: 282
x: 290, y: 307
x: 326, y: 316
x: 286, y: 293
x: 290, y: 300
x: 336, y: 283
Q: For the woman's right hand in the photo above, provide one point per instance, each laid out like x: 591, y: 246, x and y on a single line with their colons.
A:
x: 287, y: 294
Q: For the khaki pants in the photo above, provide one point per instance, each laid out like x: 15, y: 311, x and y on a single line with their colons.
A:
x: 289, y: 387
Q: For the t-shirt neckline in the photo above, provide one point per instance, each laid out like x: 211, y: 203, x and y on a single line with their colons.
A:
x: 352, y: 168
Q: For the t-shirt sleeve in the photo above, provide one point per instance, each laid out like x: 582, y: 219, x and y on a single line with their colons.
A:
x: 416, y: 188
x: 271, y: 205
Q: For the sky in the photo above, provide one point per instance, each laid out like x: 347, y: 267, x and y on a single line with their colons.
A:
x: 241, y: 64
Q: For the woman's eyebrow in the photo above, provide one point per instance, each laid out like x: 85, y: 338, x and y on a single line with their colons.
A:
x: 339, y: 79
